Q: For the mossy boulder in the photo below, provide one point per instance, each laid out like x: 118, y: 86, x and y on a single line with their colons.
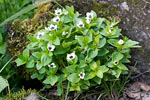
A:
x: 134, y: 16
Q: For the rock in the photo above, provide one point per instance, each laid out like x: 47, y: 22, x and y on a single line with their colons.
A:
x: 32, y: 96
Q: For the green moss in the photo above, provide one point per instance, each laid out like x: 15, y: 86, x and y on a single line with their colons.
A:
x: 20, y: 95
x: 19, y: 30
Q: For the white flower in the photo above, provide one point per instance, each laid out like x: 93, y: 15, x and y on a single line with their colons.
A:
x: 40, y: 34
x: 81, y: 75
x: 109, y: 32
x: 51, y: 27
x: 76, y: 37
x: 64, y: 33
x: 121, y: 42
x: 116, y: 63
x: 52, y: 65
x: 56, y: 19
x: 89, y: 15
x: 88, y: 21
x: 80, y: 24
x: 47, y: 29
x: 50, y: 47
x: 58, y: 12
x: 71, y: 56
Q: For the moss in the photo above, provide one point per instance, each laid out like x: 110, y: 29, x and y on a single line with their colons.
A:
x: 19, y: 30
x: 20, y: 95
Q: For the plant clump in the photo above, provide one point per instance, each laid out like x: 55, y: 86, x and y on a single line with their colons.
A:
x: 79, y: 51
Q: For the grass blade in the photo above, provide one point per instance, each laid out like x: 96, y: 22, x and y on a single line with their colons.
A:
x: 23, y: 11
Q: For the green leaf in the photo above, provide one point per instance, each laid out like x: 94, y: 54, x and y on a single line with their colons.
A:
x: 37, y: 55
x: 42, y: 70
x: 101, y: 43
x: 103, y: 68
x: 71, y: 68
x: 83, y: 40
x: 91, y: 53
x: 59, y: 89
x: 116, y: 56
x: 122, y: 66
x: 30, y: 64
x: 46, y: 37
x: 97, y: 80
x: 70, y: 10
x: 51, y: 79
x: 131, y: 44
x: 99, y: 73
x: 114, y: 42
x: 67, y: 19
x: 93, y: 66
x: 103, y: 52
x: 45, y: 59
x: 3, y: 83
x: 38, y: 65
x: 40, y: 76
x: 90, y: 75
x: 1, y: 38
x: 33, y: 76
x: 118, y: 72
x: 73, y: 78
x: 20, y: 61
x: 2, y: 48
x: 26, y: 54
x: 60, y: 50
x: 56, y: 41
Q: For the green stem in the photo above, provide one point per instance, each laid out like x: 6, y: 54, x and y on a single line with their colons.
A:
x: 58, y: 4
x: 43, y: 97
x: 63, y: 97
x: 9, y: 90
x: 100, y: 96
x: 6, y: 64
x: 77, y: 96
x: 67, y: 91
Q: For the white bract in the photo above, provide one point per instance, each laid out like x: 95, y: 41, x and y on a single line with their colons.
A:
x: 50, y: 47
x: 80, y: 24
x: 52, y: 65
x: 71, y: 56
x: 121, y: 42
x: 58, y: 12
x: 89, y: 15
x: 88, y: 21
x: 76, y: 37
x: 109, y: 32
x: 40, y: 34
x: 64, y: 33
x: 51, y: 27
x: 116, y: 63
x: 56, y: 19
x: 81, y: 75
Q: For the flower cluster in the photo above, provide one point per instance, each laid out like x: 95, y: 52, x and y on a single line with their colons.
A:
x: 81, y: 50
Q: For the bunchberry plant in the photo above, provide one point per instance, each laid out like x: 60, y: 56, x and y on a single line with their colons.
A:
x: 84, y: 51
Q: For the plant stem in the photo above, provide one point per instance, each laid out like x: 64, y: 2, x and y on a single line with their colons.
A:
x: 77, y: 96
x: 6, y: 64
x: 63, y: 97
x: 58, y: 4
x: 67, y: 91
